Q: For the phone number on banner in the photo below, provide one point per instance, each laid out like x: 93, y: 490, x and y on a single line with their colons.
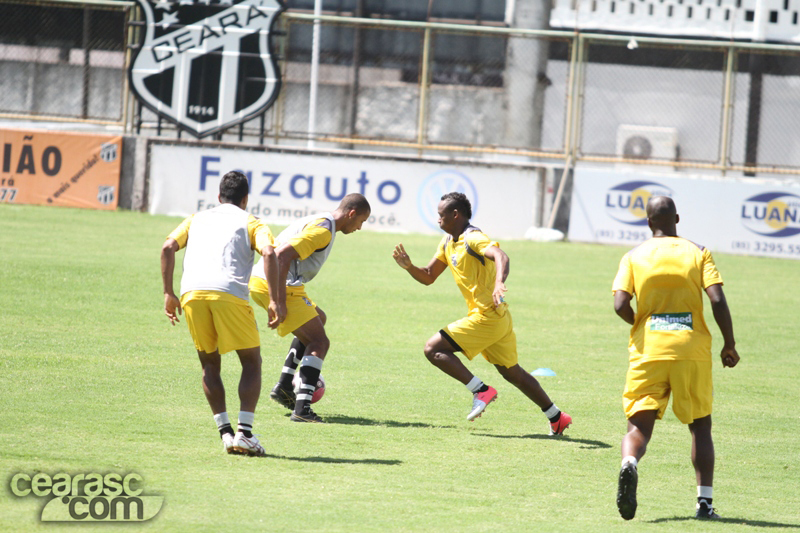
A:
x: 622, y: 235
x: 766, y: 247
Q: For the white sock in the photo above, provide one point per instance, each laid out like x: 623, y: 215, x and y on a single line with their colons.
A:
x: 221, y: 419
x: 630, y: 459
x: 246, y: 419
x: 705, y: 492
x: 552, y: 411
x: 474, y: 384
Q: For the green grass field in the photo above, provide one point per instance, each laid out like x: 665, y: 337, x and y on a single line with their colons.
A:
x: 94, y: 379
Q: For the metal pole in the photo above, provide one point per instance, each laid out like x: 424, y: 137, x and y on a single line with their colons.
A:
x: 314, y: 81
x: 727, y: 107
x: 87, y: 25
x: 423, y: 86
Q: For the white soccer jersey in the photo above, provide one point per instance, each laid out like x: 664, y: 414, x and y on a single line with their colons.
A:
x: 303, y: 269
x: 219, y: 252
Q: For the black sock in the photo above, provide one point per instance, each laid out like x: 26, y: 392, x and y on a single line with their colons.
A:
x: 225, y: 429
x: 483, y: 389
x: 309, y: 377
x: 296, y: 352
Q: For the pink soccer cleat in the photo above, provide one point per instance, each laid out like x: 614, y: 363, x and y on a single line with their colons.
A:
x: 479, y: 402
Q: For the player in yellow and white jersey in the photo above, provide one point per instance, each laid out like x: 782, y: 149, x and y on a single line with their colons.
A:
x: 216, y: 269
x: 669, y: 347
x: 480, y: 269
x: 302, y: 248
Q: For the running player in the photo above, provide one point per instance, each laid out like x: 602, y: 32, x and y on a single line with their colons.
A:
x: 480, y: 269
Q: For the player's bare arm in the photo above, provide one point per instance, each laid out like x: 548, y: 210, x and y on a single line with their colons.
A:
x: 277, y: 306
x: 622, y: 306
x: 425, y: 275
x: 722, y: 315
x: 285, y: 254
x: 502, y: 266
x: 172, y: 306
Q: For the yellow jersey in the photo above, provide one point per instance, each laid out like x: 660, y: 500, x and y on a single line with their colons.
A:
x: 667, y: 276
x: 474, y: 273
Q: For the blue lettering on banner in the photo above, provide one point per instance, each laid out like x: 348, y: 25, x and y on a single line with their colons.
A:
x: 627, y: 201
x: 206, y: 172
x: 772, y: 214
x: 300, y: 185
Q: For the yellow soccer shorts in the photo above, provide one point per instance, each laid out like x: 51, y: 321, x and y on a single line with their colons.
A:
x: 299, y: 307
x: 491, y: 335
x: 223, y: 323
x: 649, y: 383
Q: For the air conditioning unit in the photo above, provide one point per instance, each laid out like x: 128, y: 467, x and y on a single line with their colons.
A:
x: 647, y: 142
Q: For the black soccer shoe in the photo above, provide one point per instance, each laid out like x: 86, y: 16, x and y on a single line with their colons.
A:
x: 306, y: 416
x: 705, y: 512
x: 626, y: 491
x: 285, y: 397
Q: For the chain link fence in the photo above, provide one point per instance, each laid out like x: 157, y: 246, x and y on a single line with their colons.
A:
x: 64, y: 60
x: 438, y: 88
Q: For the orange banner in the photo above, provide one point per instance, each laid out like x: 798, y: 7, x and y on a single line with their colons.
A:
x: 62, y: 169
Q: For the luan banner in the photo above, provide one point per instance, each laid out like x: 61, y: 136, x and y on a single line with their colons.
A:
x: 61, y: 169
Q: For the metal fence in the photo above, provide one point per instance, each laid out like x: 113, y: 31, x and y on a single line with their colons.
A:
x: 428, y: 88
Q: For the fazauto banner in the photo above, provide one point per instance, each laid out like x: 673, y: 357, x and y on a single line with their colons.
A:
x: 729, y: 215
x: 61, y: 169
x: 404, y: 195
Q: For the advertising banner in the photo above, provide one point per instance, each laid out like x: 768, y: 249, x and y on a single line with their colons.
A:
x: 729, y: 215
x: 404, y: 195
x: 61, y: 169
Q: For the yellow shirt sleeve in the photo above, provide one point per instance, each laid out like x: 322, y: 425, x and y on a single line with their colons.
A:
x: 260, y: 234
x: 710, y: 273
x: 313, y: 237
x: 479, y: 242
x: 181, y: 233
x: 624, y: 279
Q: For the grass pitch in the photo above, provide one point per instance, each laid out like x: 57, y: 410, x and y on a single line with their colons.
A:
x: 94, y: 379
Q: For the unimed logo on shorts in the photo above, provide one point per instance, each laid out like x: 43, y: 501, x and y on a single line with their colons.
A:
x: 88, y: 497
x: 671, y: 322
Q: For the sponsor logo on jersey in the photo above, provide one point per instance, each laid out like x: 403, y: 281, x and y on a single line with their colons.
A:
x: 671, y: 322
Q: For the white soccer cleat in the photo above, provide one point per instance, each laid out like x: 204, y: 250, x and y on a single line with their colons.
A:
x: 227, y: 443
x: 248, y: 445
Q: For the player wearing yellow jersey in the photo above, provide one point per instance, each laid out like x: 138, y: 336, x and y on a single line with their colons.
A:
x: 670, y: 347
x: 301, y: 250
x: 480, y: 269
x: 216, y: 268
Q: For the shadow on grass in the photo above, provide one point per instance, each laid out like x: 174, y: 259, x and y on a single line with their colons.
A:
x: 585, y: 443
x: 389, y: 462
x: 737, y: 521
x: 358, y: 421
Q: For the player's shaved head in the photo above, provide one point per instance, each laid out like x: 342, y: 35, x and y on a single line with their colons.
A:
x: 662, y: 214
x: 355, y: 201
x: 661, y: 207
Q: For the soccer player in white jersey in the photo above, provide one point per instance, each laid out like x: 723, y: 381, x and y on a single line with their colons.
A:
x: 302, y: 249
x: 480, y: 269
x: 216, y: 270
